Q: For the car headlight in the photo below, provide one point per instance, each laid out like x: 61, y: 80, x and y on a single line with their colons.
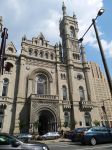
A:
x: 45, y: 148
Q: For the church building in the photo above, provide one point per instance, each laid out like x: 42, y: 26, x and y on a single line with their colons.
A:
x: 48, y: 87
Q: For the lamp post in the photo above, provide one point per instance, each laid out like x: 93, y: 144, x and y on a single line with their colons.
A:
x: 100, y: 12
x: 105, y: 116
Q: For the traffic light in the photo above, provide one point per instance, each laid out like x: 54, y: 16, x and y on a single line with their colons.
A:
x: 4, y: 36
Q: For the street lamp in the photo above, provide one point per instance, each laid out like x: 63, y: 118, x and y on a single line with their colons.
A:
x: 104, y: 111
x: 100, y: 12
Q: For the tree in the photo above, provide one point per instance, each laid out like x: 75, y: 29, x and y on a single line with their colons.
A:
x: 22, y: 125
x: 96, y: 123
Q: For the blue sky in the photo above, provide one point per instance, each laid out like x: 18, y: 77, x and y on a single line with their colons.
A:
x: 30, y: 17
x: 104, y: 24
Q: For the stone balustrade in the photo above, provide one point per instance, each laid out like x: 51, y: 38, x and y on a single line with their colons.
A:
x: 41, y: 96
x: 86, y: 105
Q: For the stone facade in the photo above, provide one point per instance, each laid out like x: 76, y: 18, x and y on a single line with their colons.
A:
x: 48, y: 87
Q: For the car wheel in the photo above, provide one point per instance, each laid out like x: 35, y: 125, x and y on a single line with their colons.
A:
x: 93, y: 141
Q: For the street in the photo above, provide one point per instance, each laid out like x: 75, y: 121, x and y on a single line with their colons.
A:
x: 77, y: 146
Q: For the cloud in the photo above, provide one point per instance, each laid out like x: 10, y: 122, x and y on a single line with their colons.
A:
x: 31, y: 17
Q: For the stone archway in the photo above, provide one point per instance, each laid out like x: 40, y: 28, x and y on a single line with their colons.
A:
x: 46, y: 122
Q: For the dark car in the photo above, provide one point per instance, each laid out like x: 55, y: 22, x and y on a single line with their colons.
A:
x: 97, y: 135
x: 10, y: 142
x: 76, y: 134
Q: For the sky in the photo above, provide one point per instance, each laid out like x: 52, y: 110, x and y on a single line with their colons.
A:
x: 30, y: 17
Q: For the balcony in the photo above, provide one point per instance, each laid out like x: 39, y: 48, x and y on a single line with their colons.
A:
x: 66, y: 104
x: 85, y: 105
x: 44, y: 97
x: 4, y: 98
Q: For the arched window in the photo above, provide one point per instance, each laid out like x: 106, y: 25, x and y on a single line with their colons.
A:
x: 35, y: 53
x: 1, y: 118
x: 42, y: 84
x: 67, y: 119
x: 30, y: 51
x: 64, y: 92
x: 72, y: 32
x: 8, y: 66
x: 42, y: 41
x: 46, y: 55
x: 52, y: 57
x: 81, y: 93
x: 41, y: 54
x: 5, y: 87
x: 87, y: 117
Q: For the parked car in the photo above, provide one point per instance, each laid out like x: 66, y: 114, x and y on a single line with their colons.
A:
x: 25, y: 137
x: 50, y: 136
x: 77, y: 133
x: 8, y: 141
x: 97, y: 135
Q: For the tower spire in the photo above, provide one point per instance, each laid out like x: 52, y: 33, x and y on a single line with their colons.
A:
x: 64, y: 9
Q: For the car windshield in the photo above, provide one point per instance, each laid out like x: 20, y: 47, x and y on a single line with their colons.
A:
x: 81, y: 129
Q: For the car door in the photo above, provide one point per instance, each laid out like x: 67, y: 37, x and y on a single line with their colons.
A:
x: 6, y: 142
x: 105, y: 134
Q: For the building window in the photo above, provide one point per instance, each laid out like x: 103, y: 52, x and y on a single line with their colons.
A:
x: 8, y: 66
x: 64, y: 92
x: 41, y: 54
x: 81, y: 93
x: 87, y: 119
x: 72, y: 32
x: 46, y: 55
x: 35, y: 53
x: 5, y: 87
x: 80, y: 123
x: 1, y: 119
x: 42, y: 84
x: 67, y: 119
x: 52, y: 56
x: 30, y: 51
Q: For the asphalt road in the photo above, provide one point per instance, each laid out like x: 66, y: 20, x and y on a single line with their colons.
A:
x: 78, y: 146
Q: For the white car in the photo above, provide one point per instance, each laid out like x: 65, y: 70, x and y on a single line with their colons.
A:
x: 50, y: 135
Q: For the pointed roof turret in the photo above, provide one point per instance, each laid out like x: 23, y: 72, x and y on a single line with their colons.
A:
x: 64, y: 9
x: 74, y: 16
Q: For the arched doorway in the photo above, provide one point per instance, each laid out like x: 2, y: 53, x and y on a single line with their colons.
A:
x: 47, y: 122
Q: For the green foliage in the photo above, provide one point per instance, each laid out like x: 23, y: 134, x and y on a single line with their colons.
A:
x: 96, y: 122
x: 22, y: 125
x: 65, y: 124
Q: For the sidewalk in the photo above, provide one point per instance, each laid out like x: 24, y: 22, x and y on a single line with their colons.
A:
x: 55, y: 140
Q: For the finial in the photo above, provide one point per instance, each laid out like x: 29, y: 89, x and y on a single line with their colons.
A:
x: 24, y: 38
x: 74, y: 16
x: 64, y: 9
